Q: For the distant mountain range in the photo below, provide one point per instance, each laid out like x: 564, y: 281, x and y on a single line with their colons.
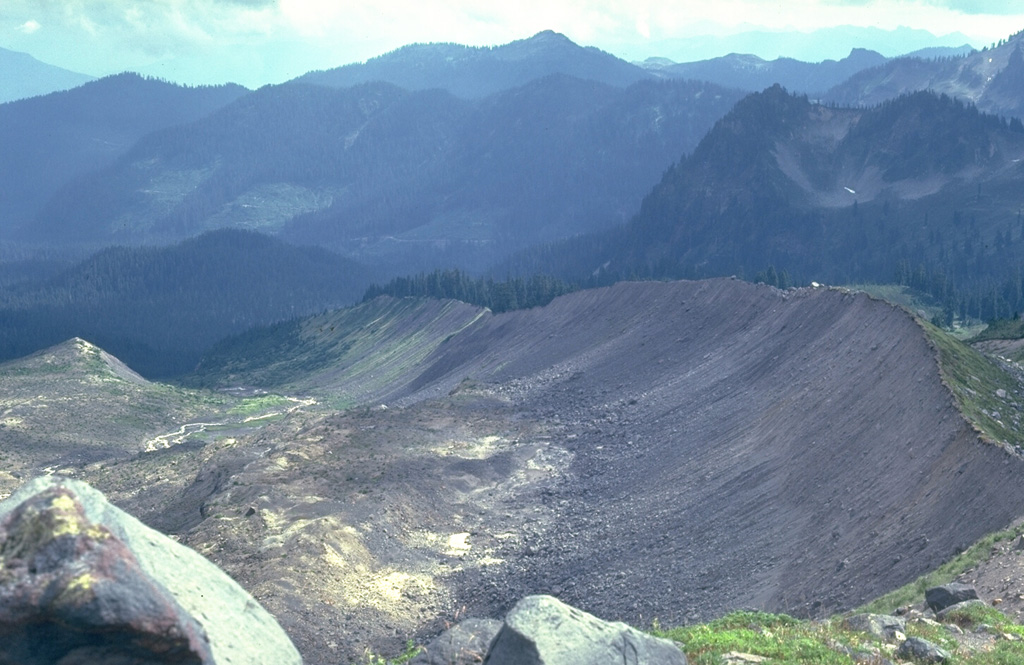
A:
x: 992, y: 79
x: 473, y: 72
x: 48, y: 141
x: 23, y: 76
x: 397, y: 177
x: 812, y: 46
x: 749, y: 72
x: 546, y: 174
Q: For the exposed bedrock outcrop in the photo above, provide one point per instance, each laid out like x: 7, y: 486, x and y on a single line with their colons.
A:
x: 83, y: 582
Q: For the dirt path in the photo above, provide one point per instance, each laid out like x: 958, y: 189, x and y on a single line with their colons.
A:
x: 164, y: 441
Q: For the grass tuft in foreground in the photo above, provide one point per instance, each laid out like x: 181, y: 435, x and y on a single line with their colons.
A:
x: 944, y: 574
x: 988, y: 396
x: 781, y: 638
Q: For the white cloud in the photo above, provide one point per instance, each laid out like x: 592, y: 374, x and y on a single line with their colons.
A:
x: 105, y: 36
x: 29, y: 26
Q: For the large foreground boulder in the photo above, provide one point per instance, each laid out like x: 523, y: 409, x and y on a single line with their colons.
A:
x: 83, y: 583
x: 542, y: 630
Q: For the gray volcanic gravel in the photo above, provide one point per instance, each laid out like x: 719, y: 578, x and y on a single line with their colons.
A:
x: 734, y: 445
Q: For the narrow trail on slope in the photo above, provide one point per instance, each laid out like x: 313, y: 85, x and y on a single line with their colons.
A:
x: 164, y: 441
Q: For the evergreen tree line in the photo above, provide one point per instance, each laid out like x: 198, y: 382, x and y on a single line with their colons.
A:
x: 981, y: 300
x: 513, y: 293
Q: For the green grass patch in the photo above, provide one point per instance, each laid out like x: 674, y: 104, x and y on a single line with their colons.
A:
x: 783, y: 639
x: 1004, y: 653
x: 937, y: 635
x: 253, y: 405
x: 944, y: 574
x: 976, y: 381
x: 975, y: 614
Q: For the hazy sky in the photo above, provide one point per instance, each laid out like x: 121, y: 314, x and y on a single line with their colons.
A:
x: 260, y: 41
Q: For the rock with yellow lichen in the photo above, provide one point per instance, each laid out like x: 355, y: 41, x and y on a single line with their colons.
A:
x: 83, y: 582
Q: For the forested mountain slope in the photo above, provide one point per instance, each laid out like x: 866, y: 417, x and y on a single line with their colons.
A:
x: 409, y: 179
x: 50, y: 140
x: 922, y: 190
x: 159, y: 308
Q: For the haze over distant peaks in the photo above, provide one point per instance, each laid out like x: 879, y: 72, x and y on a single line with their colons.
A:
x: 812, y: 46
x: 470, y: 71
x: 749, y: 72
x: 992, y: 79
x: 48, y: 141
x: 23, y: 76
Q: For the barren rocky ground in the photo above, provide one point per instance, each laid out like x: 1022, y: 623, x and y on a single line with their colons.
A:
x: 663, y: 451
x: 1000, y: 578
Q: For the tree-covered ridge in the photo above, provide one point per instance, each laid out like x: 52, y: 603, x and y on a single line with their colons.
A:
x: 922, y: 190
x: 159, y: 308
x: 48, y: 141
x: 498, y: 296
x: 922, y: 133
x: 475, y: 72
x: 420, y: 179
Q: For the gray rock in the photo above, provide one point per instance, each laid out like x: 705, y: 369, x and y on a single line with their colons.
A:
x: 112, y: 572
x: 941, y: 597
x: 922, y: 651
x: 869, y: 658
x: 464, y: 644
x: 943, y: 614
x: 740, y: 658
x: 542, y: 630
x: 882, y: 626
